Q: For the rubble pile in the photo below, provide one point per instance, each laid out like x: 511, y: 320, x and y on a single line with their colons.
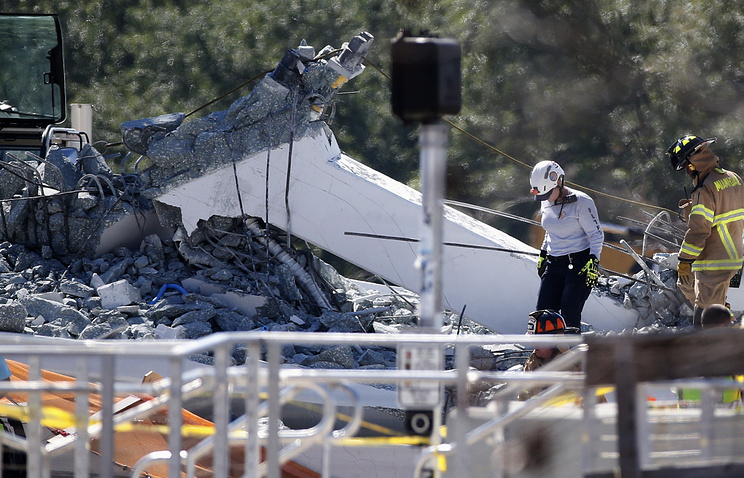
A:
x: 59, y: 205
x: 217, y: 280
x: 227, y: 275
x: 224, y: 277
x: 660, y: 305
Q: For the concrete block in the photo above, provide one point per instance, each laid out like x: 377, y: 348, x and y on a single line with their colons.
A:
x: 96, y: 281
x: 117, y: 294
x: 245, y: 303
x: 53, y: 296
x: 198, y: 286
x: 162, y: 331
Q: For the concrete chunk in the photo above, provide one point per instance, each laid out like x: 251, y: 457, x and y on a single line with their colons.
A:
x: 12, y: 317
x: 245, y: 303
x: 117, y: 294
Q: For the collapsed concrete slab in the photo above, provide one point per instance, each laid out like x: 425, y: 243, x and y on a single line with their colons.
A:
x: 271, y: 156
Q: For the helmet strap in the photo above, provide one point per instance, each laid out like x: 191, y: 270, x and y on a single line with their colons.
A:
x: 691, y: 171
x: 561, y: 190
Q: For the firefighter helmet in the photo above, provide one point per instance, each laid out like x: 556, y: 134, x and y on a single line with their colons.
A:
x: 681, y: 150
x: 545, y: 176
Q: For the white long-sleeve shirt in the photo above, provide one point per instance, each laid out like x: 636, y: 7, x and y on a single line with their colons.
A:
x: 571, y: 227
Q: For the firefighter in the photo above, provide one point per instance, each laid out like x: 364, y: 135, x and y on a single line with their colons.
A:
x: 568, y: 265
x: 711, y: 252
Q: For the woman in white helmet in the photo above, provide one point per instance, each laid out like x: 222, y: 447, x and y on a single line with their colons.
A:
x: 568, y: 265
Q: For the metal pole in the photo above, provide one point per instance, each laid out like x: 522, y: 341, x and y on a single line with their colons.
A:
x: 628, y: 413
x: 252, y: 402
x: 221, y: 452
x: 82, y: 444
x: 175, y: 416
x: 107, y: 415
x: 273, y: 444
x: 433, y: 143
x: 433, y: 139
x: 33, y: 430
x: 460, y: 432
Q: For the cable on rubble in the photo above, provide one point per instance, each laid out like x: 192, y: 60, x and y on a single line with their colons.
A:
x: 164, y: 288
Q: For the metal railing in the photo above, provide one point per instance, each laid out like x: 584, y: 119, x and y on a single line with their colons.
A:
x: 232, y: 444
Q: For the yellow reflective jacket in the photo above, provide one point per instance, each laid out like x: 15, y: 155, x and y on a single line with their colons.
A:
x: 715, y: 224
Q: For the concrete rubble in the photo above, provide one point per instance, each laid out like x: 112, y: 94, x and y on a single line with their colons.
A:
x: 227, y: 274
x: 165, y: 291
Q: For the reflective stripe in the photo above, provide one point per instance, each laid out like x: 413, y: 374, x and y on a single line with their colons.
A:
x: 721, y: 222
x: 727, y: 242
x: 716, y: 265
x: 727, y: 217
x: 690, y: 249
x: 701, y: 210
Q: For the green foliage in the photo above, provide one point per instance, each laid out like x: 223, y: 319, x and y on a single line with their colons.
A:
x: 603, y: 87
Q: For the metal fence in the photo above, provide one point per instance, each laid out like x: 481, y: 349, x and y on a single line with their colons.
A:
x: 246, y: 436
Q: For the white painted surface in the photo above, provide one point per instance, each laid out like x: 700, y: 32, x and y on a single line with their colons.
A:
x: 331, y: 194
x: 735, y: 297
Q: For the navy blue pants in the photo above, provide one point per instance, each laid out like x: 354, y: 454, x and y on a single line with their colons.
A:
x: 562, y: 288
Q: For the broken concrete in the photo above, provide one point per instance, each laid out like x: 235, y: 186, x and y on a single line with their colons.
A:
x: 62, y: 204
x: 272, y: 156
x: 60, y: 301
x: 171, y: 295
x: 117, y: 293
x: 71, y: 267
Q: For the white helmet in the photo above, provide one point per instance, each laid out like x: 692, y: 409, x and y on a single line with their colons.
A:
x: 545, y: 176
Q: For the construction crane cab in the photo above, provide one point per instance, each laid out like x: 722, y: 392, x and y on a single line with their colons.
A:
x: 33, y: 102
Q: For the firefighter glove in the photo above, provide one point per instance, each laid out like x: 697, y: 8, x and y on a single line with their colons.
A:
x: 684, y: 271
x: 591, y: 270
x: 542, y: 263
